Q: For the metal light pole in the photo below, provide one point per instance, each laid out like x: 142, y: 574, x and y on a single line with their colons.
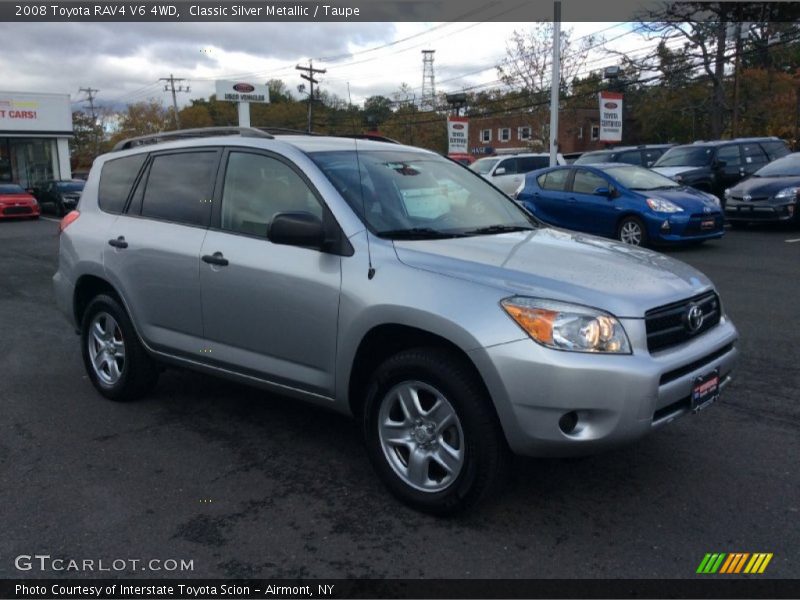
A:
x: 555, y: 82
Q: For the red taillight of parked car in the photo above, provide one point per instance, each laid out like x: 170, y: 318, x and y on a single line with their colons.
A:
x: 68, y: 219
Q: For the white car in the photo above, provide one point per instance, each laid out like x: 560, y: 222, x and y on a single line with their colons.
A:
x: 508, y: 172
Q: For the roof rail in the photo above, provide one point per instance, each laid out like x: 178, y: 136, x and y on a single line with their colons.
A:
x: 180, y: 134
x: 286, y: 131
x: 368, y: 136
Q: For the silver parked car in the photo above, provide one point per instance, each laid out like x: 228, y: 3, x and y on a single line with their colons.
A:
x: 389, y: 283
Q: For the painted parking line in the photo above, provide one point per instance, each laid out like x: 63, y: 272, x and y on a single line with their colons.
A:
x: 51, y: 219
x: 794, y: 241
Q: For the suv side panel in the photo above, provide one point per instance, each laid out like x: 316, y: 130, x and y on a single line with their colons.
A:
x: 161, y: 261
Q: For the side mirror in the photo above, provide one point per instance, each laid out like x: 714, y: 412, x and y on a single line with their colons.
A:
x: 296, y: 229
x: 604, y: 191
x: 500, y: 171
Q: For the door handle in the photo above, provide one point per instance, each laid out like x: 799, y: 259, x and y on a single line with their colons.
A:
x: 119, y: 242
x: 215, y: 259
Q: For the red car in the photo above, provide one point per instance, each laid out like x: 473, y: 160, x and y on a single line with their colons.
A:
x: 16, y: 202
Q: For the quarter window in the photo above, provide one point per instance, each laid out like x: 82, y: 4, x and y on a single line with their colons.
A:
x: 180, y: 187
x: 116, y: 180
x: 258, y: 187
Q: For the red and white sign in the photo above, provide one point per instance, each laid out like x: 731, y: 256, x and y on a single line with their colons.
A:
x: 32, y: 113
x: 610, y: 117
x: 457, y: 135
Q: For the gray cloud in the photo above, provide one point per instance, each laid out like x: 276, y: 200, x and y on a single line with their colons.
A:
x: 61, y: 57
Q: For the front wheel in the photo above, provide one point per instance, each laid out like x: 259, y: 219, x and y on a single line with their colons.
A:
x: 631, y: 231
x: 431, y: 431
x: 115, y: 360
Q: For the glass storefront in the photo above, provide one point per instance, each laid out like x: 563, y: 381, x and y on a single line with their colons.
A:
x: 28, y: 161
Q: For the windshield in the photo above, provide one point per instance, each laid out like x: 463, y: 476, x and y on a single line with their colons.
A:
x: 71, y: 186
x: 401, y: 194
x: 639, y: 178
x: 685, y: 156
x: 788, y: 166
x: 483, y: 165
x: 593, y: 158
x: 11, y: 188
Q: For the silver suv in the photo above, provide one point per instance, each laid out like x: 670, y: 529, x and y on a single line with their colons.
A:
x: 385, y: 282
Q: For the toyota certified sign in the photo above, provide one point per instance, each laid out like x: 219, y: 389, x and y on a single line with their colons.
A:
x: 242, y: 91
x: 610, y: 117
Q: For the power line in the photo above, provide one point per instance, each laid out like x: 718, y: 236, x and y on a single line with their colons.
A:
x: 171, y: 87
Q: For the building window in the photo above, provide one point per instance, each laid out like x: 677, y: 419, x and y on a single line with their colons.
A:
x: 504, y: 134
x: 523, y: 133
x: 486, y: 135
x: 595, y: 132
x: 580, y: 133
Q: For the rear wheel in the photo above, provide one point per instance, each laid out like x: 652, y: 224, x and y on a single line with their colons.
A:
x: 115, y: 360
x: 431, y: 432
x: 631, y: 231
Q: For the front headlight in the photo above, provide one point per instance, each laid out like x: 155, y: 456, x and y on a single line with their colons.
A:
x: 788, y: 193
x: 715, y: 200
x: 565, y: 326
x: 727, y: 193
x: 664, y: 206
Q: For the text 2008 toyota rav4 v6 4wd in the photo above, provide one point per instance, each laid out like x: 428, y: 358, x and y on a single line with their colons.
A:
x: 390, y: 283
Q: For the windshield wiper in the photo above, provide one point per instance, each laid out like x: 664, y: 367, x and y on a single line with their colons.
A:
x: 418, y: 233
x: 498, y: 229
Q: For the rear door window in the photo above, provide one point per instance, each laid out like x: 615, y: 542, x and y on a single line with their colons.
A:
x: 554, y: 180
x: 180, y: 187
x: 116, y: 180
x: 586, y: 182
x: 526, y: 164
x: 510, y: 166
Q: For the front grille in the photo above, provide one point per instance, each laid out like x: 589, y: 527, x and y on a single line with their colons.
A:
x: 751, y: 198
x: 694, y: 226
x: 667, y: 325
x: 17, y: 210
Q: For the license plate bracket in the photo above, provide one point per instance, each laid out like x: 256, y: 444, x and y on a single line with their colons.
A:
x: 705, y: 390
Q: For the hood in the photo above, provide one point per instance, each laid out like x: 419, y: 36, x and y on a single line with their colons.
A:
x: 561, y: 265
x: 689, y: 199
x: 763, y: 187
x: 672, y: 171
x: 17, y: 198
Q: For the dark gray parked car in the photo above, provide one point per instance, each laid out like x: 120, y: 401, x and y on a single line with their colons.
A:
x: 389, y: 283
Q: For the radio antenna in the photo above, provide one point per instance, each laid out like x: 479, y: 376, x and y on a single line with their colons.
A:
x: 371, y: 269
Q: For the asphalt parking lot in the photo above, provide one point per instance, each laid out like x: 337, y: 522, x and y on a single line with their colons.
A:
x: 249, y: 485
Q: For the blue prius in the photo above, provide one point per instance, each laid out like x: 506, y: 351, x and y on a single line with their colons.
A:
x: 632, y: 204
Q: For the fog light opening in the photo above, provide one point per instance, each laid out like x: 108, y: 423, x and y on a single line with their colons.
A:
x: 665, y: 226
x: 568, y: 422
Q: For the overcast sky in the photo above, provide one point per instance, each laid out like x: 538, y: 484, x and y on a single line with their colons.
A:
x: 125, y: 60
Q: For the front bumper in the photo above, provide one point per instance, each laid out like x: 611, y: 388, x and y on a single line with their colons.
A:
x: 737, y: 210
x: 679, y: 228
x: 616, y: 398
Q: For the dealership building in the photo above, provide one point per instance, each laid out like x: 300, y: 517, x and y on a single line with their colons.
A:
x: 35, y: 130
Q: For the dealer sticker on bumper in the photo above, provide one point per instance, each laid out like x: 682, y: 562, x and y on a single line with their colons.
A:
x: 705, y: 390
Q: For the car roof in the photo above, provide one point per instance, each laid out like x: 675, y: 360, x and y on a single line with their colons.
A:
x: 714, y: 143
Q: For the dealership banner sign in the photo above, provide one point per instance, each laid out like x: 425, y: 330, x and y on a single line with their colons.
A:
x: 242, y: 91
x: 610, y: 117
x: 457, y: 135
x: 32, y: 113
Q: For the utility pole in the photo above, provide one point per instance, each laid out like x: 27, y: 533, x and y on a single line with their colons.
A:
x: 171, y: 87
x: 90, y: 93
x: 311, y: 71
x: 555, y: 82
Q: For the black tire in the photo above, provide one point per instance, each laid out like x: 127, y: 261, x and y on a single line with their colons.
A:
x: 137, y: 372
x: 485, y: 452
x: 632, y: 222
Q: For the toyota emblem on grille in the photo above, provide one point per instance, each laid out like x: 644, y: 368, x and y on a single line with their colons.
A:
x: 747, y: 197
x: 694, y: 318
